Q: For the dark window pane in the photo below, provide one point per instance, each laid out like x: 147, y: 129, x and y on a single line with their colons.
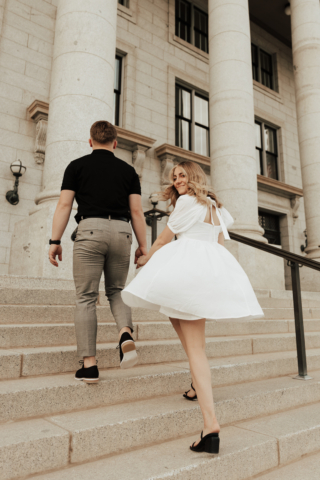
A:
x: 271, y: 166
x: 254, y: 55
x: 266, y: 69
x: 183, y: 20
x: 197, y: 39
x: 201, y: 114
x: 201, y: 140
x: 201, y: 29
x: 271, y: 225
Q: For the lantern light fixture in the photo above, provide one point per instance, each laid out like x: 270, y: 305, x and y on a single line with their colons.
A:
x: 17, y: 170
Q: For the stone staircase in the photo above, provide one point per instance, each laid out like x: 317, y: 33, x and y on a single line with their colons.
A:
x: 135, y: 424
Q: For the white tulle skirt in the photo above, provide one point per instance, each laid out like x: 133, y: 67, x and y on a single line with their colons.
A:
x: 191, y: 279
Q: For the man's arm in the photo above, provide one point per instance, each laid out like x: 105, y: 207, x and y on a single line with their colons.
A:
x: 60, y: 221
x: 138, y: 224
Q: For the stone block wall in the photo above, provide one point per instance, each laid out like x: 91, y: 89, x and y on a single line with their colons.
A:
x: 27, y: 35
x: 153, y: 59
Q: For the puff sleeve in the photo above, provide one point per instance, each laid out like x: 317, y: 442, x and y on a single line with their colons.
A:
x: 185, y: 214
x: 226, y: 217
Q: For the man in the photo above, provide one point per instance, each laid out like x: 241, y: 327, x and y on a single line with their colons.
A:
x: 108, y: 193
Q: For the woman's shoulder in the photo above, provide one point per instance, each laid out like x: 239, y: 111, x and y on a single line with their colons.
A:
x: 186, y: 200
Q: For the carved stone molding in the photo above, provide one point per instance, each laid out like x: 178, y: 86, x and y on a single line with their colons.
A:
x: 138, y: 158
x: 38, y: 112
x: 278, y: 188
x: 180, y: 154
x: 167, y: 163
x: 295, y: 204
x: 40, y: 143
x: 137, y: 144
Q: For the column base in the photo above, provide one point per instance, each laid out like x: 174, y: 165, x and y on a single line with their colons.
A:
x: 30, y: 247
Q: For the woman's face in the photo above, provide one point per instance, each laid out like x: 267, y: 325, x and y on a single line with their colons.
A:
x: 180, y: 181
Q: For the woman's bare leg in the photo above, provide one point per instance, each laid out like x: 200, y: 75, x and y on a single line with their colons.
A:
x: 194, y: 335
x: 176, y: 325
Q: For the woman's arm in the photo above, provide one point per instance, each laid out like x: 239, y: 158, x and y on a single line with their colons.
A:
x: 165, y: 237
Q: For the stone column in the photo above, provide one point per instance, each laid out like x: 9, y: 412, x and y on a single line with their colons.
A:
x: 81, y: 84
x: 233, y: 164
x: 81, y: 92
x: 305, y: 23
x: 232, y: 142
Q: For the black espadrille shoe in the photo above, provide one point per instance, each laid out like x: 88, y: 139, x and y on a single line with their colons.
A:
x: 128, y: 353
x: 88, y: 375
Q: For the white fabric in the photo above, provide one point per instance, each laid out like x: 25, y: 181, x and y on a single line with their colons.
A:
x: 194, y: 277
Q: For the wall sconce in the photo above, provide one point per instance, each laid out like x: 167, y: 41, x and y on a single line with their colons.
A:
x: 17, y: 170
x: 287, y: 9
x: 303, y: 247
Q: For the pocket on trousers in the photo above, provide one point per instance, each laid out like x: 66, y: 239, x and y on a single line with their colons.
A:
x: 88, y: 234
x: 127, y: 235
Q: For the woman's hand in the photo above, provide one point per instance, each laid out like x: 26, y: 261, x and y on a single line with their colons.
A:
x: 142, y: 261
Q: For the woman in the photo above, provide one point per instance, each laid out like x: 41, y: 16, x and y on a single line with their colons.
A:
x: 193, y: 279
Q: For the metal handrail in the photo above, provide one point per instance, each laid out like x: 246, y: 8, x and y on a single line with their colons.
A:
x: 294, y: 261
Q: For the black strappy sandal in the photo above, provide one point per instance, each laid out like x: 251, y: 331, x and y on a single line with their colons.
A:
x: 185, y: 395
x: 210, y: 443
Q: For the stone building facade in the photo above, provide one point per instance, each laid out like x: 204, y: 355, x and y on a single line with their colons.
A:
x: 256, y: 68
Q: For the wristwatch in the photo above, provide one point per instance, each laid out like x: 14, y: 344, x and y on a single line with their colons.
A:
x: 54, y: 242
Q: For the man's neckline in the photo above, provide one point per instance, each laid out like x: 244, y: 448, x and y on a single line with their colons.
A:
x: 99, y: 150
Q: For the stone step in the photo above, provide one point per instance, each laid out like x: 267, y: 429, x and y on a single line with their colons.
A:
x: 175, y: 461
x: 26, y: 314
x: 49, y: 360
x: 41, y: 335
x: 49, y: 395
x: 139, y: 424
x: 169, y: 460
x: 305, y: 469
x: 297, y: 431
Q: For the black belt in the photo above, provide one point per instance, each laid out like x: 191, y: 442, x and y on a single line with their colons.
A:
x: 109, y: 217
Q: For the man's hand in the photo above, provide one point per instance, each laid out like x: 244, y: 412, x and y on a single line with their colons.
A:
x: 55, y: 250
x: 139, y: 252
x: 142, y: 261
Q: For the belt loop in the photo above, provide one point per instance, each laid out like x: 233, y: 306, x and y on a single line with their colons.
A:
x: 109, y: 217
x: 82, y: 218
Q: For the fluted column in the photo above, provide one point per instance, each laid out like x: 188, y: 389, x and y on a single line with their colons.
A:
x: 305, y: 23
x: 81, y: 84
x: 233, y: 164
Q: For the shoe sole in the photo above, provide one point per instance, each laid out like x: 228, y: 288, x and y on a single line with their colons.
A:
x: 130, y: 357
x: 88, y: 380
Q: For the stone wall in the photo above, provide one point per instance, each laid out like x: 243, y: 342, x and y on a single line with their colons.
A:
x: 153, y: 59
x: 27, y: 35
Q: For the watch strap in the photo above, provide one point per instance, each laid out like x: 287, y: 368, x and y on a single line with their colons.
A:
x: 54, y: 242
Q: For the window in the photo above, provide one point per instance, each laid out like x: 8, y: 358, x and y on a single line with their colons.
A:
x: 192, y: 120
x: 262, y: 67
x: 125, y: 3
x: 266, y: 150
x: 117, y: 90
x: 271, y: 225
x: 192, y: 24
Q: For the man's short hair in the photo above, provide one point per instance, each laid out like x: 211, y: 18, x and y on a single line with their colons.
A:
x: 103, y: 132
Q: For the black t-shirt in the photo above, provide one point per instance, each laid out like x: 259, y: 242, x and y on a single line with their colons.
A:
x: 102, y: 183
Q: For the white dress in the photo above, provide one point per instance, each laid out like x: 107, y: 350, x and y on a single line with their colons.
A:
x: 194, y: 277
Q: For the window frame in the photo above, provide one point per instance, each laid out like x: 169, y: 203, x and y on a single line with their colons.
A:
x: 263, y: 150
x: 193, y: 7
x: 258, y: 67
x: 124, y: 3
x: 118, y: 110
x: 194, y: 92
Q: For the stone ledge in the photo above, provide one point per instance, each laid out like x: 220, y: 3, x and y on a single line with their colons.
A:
x: 181, y: 154
x: 130, y: 140
x: 38, y: 110
x: 278, y: 188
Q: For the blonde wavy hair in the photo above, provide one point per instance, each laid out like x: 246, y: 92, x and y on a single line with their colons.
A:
x: 196, y: 182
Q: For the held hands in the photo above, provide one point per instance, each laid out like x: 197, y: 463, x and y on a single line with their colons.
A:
x: 55, y: 250
x: 142, y: 261
x: 139, y: 253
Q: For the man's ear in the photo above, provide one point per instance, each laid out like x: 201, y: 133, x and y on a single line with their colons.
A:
x: 90, y: 143
x: 115, y: 143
